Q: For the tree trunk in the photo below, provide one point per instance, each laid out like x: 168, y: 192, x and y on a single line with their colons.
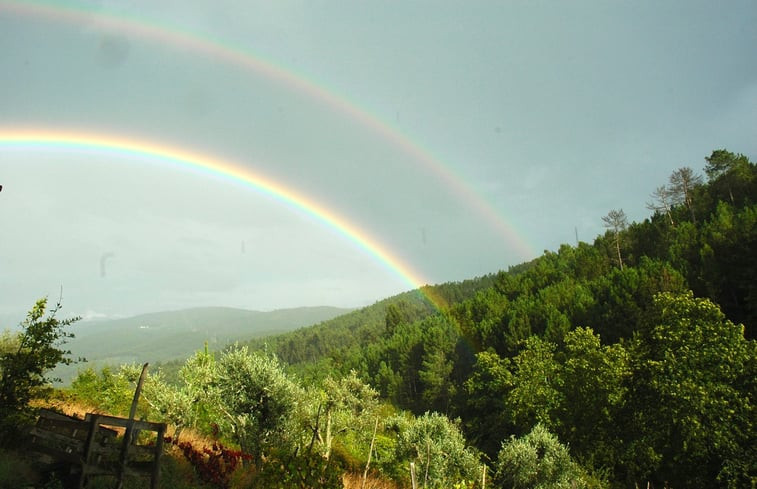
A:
x: 370, y: 452
x: 328, y: 435
x: 617, y: 247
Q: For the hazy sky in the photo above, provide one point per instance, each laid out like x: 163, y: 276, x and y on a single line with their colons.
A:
x: 460, y: 137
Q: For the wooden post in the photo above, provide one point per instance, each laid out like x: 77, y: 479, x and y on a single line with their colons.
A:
x: 88, y: 446
x: 155, y: 476
x: 412, y: 475
x: 130, y: 428
x: 428, y: 462
x: 483, y: 476
x: 370, y: 452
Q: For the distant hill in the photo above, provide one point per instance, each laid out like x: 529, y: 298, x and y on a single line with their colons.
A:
x: 361, y: 327
x: 163, y: 336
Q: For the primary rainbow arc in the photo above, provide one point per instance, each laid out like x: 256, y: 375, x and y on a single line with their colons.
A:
x: 181, y: 158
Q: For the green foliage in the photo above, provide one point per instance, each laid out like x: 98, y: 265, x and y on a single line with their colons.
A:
x: 342, y: 407
x: 26, y: 360
x: 398, y: 313
x: 257, y: 400
x: 621, y: 297
x: 693, y: 395
x: 731, y: 176
x: 536, y: 385
x: 335, y: 338
x: 342, y: 339
x: 479, y: 317
x: 487, y: 418
x: 539, y: 461
x: 189, y: 402
x: 593, y: 392
x: 308, y: 470
x: 437, y: 447
x: 111, y: 392
x: 727, y: 238
x: 438, y: 385
x: 9, y: 342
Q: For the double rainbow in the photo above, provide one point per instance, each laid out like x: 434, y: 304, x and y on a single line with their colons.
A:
x: 242, y: 59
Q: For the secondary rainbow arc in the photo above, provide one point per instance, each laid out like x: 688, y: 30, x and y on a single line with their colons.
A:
x: 220, y: 50
x: 181, y: 158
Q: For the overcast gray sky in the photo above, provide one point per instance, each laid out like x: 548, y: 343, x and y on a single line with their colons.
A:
x: 460, y: 137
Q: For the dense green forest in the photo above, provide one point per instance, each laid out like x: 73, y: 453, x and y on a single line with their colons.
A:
x: 637, y: 350
x: 627, y: 361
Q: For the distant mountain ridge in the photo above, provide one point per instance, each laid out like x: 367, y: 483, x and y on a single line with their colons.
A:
x: 162, y: 336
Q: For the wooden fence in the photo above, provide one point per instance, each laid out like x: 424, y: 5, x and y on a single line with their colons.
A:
x: 91, y: 447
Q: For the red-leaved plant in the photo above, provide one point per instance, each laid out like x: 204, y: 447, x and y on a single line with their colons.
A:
x: 214, y: 464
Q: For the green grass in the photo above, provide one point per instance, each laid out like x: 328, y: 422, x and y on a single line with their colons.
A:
x: 16, y: 471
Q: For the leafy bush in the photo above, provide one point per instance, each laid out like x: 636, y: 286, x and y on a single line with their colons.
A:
x: 307, y: 470
x: 25, y: 362
x: 215, y: 464
x: 256, y: 399
x: 110, y: 391
x: 437, y: 446
x: 539, y: 461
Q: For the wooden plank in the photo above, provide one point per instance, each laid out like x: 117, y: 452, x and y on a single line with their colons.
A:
x: 106, y: 420
x: 50, y: 414
x: 89, y: 457
x: 76, y: 428
x: 58, y: 455
x: 63, y: 424
x: 42, y: 437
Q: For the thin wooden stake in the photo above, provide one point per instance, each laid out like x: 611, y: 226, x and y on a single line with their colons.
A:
x: 483, y: 476
x: 130, y: 427
x: 370, y: 452
x: 428, y: 462
x: 412, y: 475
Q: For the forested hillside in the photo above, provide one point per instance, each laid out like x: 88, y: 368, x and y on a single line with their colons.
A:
x: 628, y: 362
x: 352, y: 331
x: 630, y: 349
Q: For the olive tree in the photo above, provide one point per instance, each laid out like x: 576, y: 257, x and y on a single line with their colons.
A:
x: 539, y: 460
x: 257, y: 400
x: 436, y: 445
x: 342, y: 406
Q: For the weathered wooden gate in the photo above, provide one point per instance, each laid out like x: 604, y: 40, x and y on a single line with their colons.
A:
x: 90, y: 447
